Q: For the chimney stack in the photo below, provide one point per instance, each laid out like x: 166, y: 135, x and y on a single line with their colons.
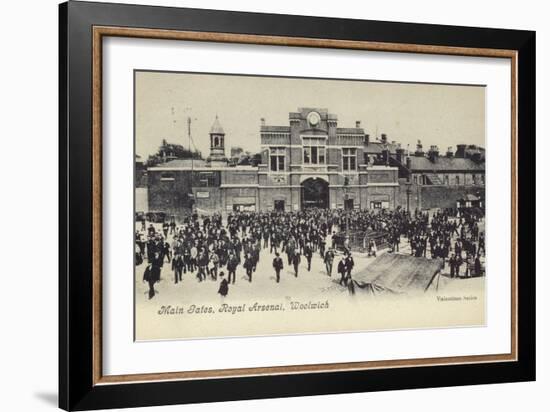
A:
x: 367, y: 139
x: 384, y: 138
x: 433, y: 154
x: 358, y: 124
x: 419, y: 152
x: 400, y: 153
x: 450, y: 153
x: 262, y: 121
x: 460, y: 151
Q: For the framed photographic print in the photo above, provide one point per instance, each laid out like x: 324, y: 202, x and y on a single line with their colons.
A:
x: 257, y: 205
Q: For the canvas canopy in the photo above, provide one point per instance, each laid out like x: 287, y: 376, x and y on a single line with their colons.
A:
x: 395, y: 273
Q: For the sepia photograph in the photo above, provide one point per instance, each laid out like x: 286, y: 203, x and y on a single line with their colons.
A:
x: 272, y: 205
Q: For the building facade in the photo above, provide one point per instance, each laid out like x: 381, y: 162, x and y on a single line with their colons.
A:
x: 310, y: 162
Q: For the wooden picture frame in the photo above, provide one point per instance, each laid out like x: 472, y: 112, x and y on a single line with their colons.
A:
x: 82, y: 385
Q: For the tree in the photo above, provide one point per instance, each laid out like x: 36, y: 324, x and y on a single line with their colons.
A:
x: 169, y: 151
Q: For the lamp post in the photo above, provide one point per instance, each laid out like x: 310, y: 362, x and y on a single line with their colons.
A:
x: 408, y: 196
x: 408, y: 164
x: 346, y: 197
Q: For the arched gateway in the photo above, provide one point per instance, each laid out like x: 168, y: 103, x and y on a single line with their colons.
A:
x: 315, y: 193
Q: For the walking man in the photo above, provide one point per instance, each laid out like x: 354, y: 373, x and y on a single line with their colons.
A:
x: 152, y: 274
x: 177, y: 267
x: 224, y: 286
x: 296, y: 262
x: 342, y: 271
x: 308, y: 253
x: 249, y: 266
x: 329, y: 259
x: 232, y: 264
x: 278, y: 266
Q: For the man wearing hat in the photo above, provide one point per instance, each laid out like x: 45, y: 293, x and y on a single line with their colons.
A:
x: 152, y: 274
x: 342, y: 270
x: 329, y: 259
x: 224, y: 286
x: 278, y: 265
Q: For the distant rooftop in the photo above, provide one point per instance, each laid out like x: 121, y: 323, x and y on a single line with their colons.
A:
x: 378, y: 147
x: 350, y: 130
x: 183, y: 163
x: 275, y: 129
x: 421, y: 163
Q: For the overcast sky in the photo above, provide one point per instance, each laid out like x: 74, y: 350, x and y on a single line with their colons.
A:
x: 444, y: 115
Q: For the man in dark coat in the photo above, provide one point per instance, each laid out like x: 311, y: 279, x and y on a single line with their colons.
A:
x: 152, y: 275
x: 202, y: 262
x: 452, y: 265
x: 296, y: 262
x: 232, y: 264
x: 224, y: 286
x: 342, y: 270
x: 278, y: 265
x: 477, y: 267
x: 166, y: 251
x: 308, y: 253
x: 249, y: 266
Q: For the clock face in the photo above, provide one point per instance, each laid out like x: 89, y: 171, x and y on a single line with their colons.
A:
x: 313, y: 118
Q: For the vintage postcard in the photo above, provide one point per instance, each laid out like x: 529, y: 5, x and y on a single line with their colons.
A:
x: 274, y: 205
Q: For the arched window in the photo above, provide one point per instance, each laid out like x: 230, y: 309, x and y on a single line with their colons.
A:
x: 216, y: 141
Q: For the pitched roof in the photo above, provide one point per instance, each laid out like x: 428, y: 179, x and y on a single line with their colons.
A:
x: 216, y: 127
x: 279, y: 129
x: 421, y: 163
x: 378, y: 147
x: 350, y: 130
x: 182, y: 163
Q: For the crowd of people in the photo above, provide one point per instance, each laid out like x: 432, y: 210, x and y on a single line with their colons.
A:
x: 209, y: 247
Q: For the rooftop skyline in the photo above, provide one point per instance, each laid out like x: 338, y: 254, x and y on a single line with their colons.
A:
x: 442, y: 115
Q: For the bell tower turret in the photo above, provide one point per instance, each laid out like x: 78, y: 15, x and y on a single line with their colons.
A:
x: 217, y: 144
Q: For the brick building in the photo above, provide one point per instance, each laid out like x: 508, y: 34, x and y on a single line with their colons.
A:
x: 311, y: 162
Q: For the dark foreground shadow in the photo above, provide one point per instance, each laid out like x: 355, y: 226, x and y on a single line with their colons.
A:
x: 49, y: 398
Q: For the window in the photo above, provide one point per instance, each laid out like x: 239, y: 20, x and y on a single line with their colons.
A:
x: 207, y: 179
x: 474, y: 179
x: 457, y: 179
x: 349, y: 159
x: 482, y: 179
x: 167, y: 177
x: 314, y: 151
x: 277, y: 159
x: 447, y: 180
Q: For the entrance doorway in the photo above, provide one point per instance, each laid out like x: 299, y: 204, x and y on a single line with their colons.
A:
x: 315, y: 193
x: 279, y: 205
x: 348, y: 204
